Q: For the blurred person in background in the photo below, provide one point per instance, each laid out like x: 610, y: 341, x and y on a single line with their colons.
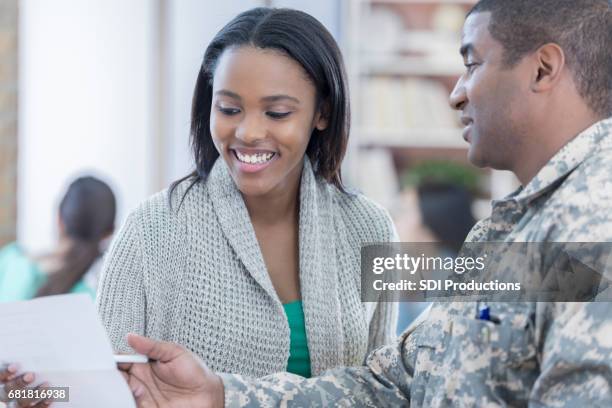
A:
x: 86, y: 219
x: 439, y: 212
x: 446, y: 211
x: 436, y: 212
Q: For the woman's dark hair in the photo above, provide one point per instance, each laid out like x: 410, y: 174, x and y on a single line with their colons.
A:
x: 305, y: 40
x: 446, y: 210
x: 87, y: 213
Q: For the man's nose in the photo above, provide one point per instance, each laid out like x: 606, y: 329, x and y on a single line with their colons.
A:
x: 458, y: 97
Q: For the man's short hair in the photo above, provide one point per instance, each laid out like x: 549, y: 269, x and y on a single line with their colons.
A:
x: 582, y: 28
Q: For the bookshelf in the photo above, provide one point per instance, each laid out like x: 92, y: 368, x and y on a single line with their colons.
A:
x: 403, y: 61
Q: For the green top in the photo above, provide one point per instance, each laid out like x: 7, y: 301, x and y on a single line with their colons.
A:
x: 299, y: 357
x: 20, y: 278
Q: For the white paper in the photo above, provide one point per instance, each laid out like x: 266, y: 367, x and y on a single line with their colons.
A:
x: 61, y: 340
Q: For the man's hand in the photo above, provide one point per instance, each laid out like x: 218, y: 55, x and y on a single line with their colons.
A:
x: 175, y: 379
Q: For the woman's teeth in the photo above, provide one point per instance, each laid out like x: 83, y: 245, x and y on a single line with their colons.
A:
x: 258, y: 158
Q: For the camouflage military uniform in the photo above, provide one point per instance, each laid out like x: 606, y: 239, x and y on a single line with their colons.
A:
x: 539, y: 355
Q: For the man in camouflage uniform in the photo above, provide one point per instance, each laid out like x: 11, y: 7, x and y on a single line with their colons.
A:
x: 536, y: 99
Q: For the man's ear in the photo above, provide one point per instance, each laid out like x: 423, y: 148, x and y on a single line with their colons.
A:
x: 321, y: 117
x: 550, y: 63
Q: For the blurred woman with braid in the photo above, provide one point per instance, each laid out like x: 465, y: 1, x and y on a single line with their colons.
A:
x: 86, y: 220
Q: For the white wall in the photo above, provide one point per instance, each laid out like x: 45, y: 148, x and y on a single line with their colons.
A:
x: 327, y: 12
x: 86, y: 95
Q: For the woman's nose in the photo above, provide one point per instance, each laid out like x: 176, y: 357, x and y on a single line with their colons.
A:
x: 251, y: 129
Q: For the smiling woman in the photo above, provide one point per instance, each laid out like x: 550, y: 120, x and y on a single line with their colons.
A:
x: 264, y: 112
x: 253, y: 260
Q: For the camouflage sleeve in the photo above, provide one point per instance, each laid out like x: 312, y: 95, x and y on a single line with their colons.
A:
x: 383, y: 324
x: 383, y: 382
x: 576, y: 365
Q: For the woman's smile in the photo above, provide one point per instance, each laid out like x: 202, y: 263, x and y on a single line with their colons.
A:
x: 253, y: 160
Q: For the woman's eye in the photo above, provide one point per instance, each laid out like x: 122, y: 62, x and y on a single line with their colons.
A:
x: 278, y: 115
x: 229, y: 111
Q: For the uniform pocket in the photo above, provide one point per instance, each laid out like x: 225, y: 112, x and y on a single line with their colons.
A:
x: 500, y: 346
x: 473, y: 350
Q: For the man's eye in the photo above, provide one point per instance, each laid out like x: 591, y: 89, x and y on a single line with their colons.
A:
x: 229, y: 111
x: 278, y: 115
x: 470, y: 66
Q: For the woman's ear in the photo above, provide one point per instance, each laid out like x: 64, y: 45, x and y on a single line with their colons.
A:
x: 61, y: 227
x: 320, y: 119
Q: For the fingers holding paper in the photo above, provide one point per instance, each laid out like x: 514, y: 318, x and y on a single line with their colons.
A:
x: 17, y: 388
x: 175, y: 378
x: 141, y: 394
x: 7, y: 371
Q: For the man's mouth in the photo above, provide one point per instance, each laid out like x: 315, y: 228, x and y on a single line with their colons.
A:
x: 466, y: 121
x: 466, y: 133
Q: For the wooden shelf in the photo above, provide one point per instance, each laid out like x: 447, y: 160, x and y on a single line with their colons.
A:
x: 412, y: 66
x: 466, y: 2
x: 411, y: 138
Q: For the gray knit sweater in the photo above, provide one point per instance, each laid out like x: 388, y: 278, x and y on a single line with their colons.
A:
x: 195, y: 275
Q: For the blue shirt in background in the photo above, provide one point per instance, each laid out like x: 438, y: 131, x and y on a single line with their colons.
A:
x: 21, y: 278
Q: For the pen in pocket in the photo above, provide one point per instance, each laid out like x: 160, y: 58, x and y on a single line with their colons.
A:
x: 484, y: 313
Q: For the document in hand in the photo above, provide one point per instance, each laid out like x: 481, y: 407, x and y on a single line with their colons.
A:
x: 61, y: 340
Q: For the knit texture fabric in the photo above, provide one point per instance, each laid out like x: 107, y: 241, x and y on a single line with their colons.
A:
x: 194, y: 274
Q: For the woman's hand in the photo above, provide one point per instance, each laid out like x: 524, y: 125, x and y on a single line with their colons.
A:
x: 176, y: 378
x: 12, y: 382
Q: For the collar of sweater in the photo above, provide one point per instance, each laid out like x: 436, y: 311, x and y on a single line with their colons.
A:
x: 317, y: 263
